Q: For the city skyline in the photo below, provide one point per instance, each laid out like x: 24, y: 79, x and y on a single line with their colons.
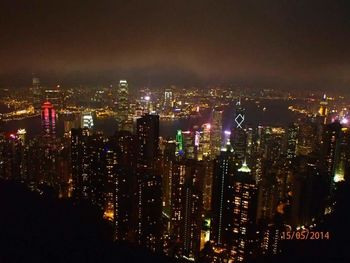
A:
x: 227, y: 182
x: 174, y: 131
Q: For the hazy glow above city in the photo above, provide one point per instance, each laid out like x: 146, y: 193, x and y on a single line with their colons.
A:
x: 290, y: 44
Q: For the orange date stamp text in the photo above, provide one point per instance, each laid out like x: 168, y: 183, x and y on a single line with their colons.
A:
x: 305, y: 235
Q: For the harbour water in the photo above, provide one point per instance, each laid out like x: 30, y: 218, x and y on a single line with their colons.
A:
x: 276, y: 113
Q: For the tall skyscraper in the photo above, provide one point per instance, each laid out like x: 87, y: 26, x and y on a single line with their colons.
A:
x: 292, y: 140
x: 125, y: 187
x: 238, y: 134
x: 190, y: 139
x: 222, y: 200
x: 179, y: 143
x: 37, y: 92
x: 323, y: 111
x: 273, y: 143
x: 342, y: 160
x: 250, y: 142
x: 186, y: 208
x: 309, y: 191
x: 48, y: 119
x: 307, y: 137
x: 12, y: 160
x: 204, y: 141
x: 192, y: 209
x: 149, y: 182
x: 122, y: 101
x: 54, y: 95
x: 208, y: 166
x: 90, y: 168
x: 111, y: 185
x: 244, y: 215
x: 330, y: 145
x: 168, y: 99
x: 166, y: 167
x: 269, y: 189
x: 80, y: 160
x: 177, y: 188
x: 216, y: 132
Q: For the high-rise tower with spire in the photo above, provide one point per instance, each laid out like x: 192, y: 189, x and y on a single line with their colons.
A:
x: 238, y: 134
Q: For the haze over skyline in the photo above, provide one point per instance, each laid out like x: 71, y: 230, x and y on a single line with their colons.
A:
x: 288, y: 44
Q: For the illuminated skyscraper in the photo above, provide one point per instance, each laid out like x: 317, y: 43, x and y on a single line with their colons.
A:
x: 238, y: 134
x: 92, y: 162
x: 249, y: 141
x: 330, y: 142
x: 227, y: 139
x: 270, y: 238
x: 342, y: 161
x: 273, y: 142
x: 179, y: 143
x: 149, y: 182
x: 48, y: 119
x: 168, y: 99
x: 12, y: 163
x: 122, y: 102
x: 102, y: 172
x: 177, y: 202
x: 73, y: 122
x: 323, y: 111
x: 54, y: 95
x: 208, y: 166
x: 239, y: 116
x: 186, y: 208
x: 126, y: 187
x: 244, y: 214
x: 190, y: 139
x: 292, y: 140
x: 307, y: 137
x: 223, y: 198
x: 147, y: 103
x: 204, y: 141
x: 80, y: 163
x: 87, y: 120
x: 199, y: 144
x: 166, y: 167
x: 148, y: 135
x: 216, y: 132
x: 192, y: 207
x: 111, y: 185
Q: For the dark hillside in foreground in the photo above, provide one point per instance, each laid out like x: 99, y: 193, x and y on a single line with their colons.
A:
x: 40, y: 228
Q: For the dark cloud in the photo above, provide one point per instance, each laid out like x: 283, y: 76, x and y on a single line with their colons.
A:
x: 296, y: 42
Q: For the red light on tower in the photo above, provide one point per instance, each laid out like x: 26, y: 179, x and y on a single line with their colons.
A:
x: 48, y: 116
x: 46, y: 108
x: 47, y: 105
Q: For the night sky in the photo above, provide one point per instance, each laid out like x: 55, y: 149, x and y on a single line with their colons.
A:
x: 291, y: 44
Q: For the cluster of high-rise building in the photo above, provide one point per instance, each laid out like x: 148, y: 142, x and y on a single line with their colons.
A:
x: 224, y: 195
